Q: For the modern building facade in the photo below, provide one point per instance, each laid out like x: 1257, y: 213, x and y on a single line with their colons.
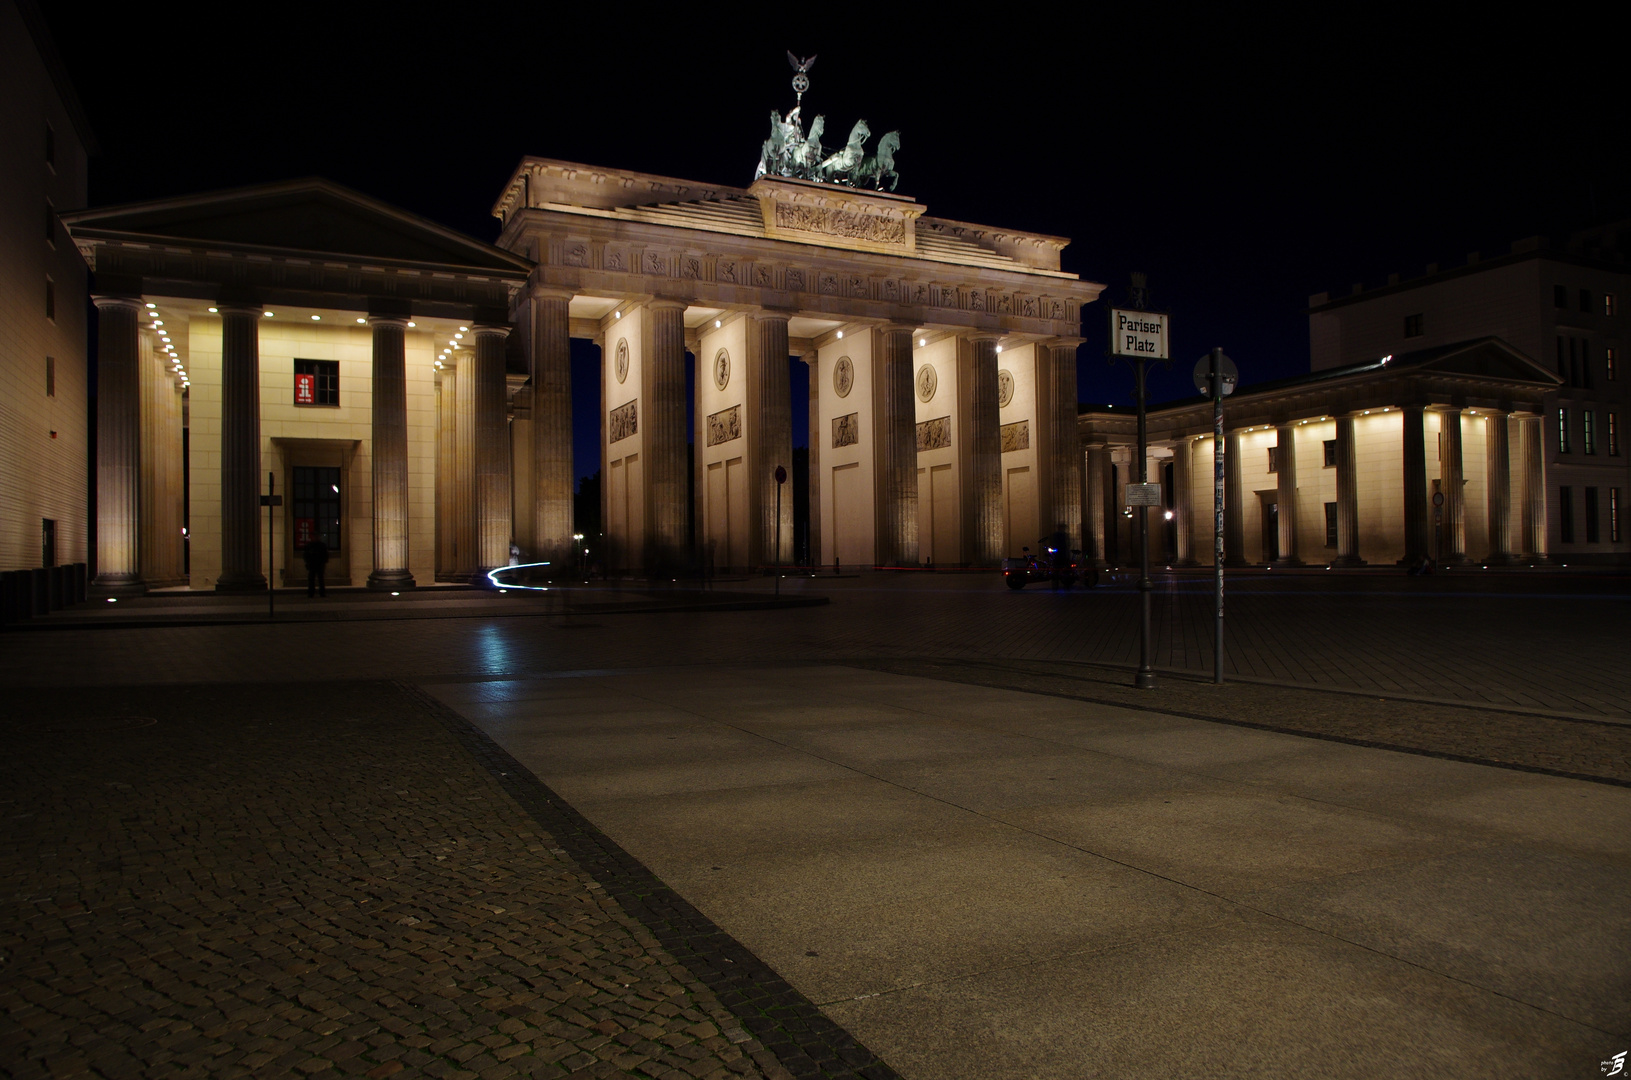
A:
x: 1558, y: 304
x: 44, y: 426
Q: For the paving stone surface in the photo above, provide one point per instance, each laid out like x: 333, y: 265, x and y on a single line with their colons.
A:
x: 313, y: 880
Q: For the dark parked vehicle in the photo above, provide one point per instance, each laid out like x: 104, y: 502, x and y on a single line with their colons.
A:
x: 1052, y: 565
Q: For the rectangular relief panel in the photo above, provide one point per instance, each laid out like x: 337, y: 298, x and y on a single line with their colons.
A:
x: 1016, y: 436
x: 934, y: 434
x: 623, y: 422
x: 846, y: 430
x: 725, y: 425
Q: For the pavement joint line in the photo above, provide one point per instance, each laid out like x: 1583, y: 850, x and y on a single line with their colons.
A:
x: 901, y: 667
x: 751, y: 989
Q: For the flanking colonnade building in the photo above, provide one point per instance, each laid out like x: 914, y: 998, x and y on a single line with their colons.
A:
x: 407, y: 389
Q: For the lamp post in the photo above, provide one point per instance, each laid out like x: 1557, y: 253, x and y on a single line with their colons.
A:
x: 1216, y: 376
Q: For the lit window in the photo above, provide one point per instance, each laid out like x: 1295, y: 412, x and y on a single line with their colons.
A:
x: 1330, y: 453
x: 1614, y: 515
x: 1274, y: 459
x: 1608, y: 303
x: 1412, y: 326
x: 1562, y: 431
x: 1608, y: 363
x: 1588, y: 431
x: 50, y: 376
x: 1612, y: 419
x: 1331, y: 524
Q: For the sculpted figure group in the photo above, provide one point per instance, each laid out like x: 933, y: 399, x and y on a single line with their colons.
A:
x: 790, y: 152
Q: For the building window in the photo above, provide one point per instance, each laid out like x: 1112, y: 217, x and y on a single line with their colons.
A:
x: 1412, y: 326
x: 1612, y: 419
x: 50, y: 376
x: 316, y: 382
x: 316, y: 509
x: 1560, y: 296
x: 1274, y: 459
x: 1565, y: 514
x: 1608, y: 363
x: 1585, y: 299
x: 50, y: 224
x: 1562, y: 431
x: 1330, y: 524
x: 1592, y: 533
x: 1588, y: 431
x: 1614, y: 515
x: 1608, y: 303
x: 1330, y: 453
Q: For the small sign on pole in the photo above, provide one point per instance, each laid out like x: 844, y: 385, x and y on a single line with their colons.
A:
x: 1143, y: 495
x: 1141, y: 335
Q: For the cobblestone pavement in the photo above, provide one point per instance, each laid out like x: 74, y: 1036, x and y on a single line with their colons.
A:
x: 316, y: 880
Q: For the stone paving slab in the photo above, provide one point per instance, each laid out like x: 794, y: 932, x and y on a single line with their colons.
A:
x: 322, y: 880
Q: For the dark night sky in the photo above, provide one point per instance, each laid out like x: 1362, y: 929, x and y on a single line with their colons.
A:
x: 1242, y: 161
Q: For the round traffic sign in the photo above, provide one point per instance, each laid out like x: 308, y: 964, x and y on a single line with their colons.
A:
x: 1438, y: 498
x: 781, y: 475
x: 1226, y: 368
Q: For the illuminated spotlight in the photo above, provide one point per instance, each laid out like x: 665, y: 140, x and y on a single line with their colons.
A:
x: 158, y: 322
x: 214, y: 310
x: 840, y: 335
x: 396, y: 594
x: 266, y: 314
x: 464, y: 328
x: 718, y: 324
x: 336, y: 488
x: 999, y: 350
x: 492, y: 576
x: 152, y: 305
x: 617, y: 314
x: 363, y: 321
x: 113, y: 599
x: 1168, y: 516
x: 458, y: 337
x: 316, y: 318
x: 412, y: 324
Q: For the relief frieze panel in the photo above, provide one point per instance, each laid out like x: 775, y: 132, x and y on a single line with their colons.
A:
x: 934, y: 434
x: 846, y: 430
x: 833, y: 221
x: 725, y: 425
x: 622, y: 422
x: 1016, y: 436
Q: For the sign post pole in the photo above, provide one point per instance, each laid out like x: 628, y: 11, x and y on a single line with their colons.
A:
x: 271, y: 500
x: 1215, y: 376
x: 781, y: 478
x: 1145, y: 679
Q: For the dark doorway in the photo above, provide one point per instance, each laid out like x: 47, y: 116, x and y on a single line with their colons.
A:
x: 1271, y: 527
x: 316, y: 512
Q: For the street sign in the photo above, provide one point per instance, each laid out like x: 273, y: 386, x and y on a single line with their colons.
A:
x: 271, y: 500
x: 305, y: 389
x: 1141, y: 335
x: 1143, y: 495
x: 781, y: 475
x: 1203, y: 375
x: 1438, y: 498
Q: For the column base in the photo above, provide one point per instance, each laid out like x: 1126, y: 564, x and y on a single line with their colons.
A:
x: 1288, y: 563
x: 1346, y: 561
x: 390, y: 580
x: 241, y: 583
x: 104, y: 586
x: 1506, y: 558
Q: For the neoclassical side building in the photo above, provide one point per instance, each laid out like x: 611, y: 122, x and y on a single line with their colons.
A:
x: 1438, y: 453
x: 407, y: 389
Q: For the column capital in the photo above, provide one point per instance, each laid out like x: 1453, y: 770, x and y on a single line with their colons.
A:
x: 1063, y: 342
x: 541, y: 291
x: 769, y: 315
x: 978, y: 336
x: 105, y: 301
x: 499, y: 330
x: 663, y: 303
x: 227, y: 307
x: 399, y: 321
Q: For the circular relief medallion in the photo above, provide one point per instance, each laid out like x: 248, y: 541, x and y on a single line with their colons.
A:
x: 1005, y: 387
x: 622, y: 359
x: 722, y: 369
x: 927, y: 380
x: 843, y: 376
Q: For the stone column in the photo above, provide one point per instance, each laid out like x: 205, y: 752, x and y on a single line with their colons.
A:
x: 118, y: 448
x: 390, y: 455
x: 1063, y: 446
x: 1498, y: 477
x: 447, y: 474
x: 770, y: 413
x: 1098, y: 506
x: 1234, y: 504
x: 1455, y: 507
x: 814, y: 479
x: 985, y: 455
x: 1534, y: 488
x: 894, y: 413
x: 1347, y: 495
x: 663, y: 387
x: 549, y: 359
x: 240, y: 450
x: 492, y: 452
x: 1286, y: 498
x: 1417, y: 539
x: 1183, y: 464
x: 464, y: 477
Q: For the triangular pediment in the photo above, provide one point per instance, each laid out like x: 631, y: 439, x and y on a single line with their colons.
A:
x: 1487, y: 358
x: 305, y: 216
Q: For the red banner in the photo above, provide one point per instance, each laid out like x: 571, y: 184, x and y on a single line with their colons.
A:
x: 305, y: 530
x: 305, y: 389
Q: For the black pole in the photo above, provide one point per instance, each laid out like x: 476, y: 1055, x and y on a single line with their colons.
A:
x: 1145, y: 680
x: 271, y: 546
x: 1217, y: 511
x: 778, y: 534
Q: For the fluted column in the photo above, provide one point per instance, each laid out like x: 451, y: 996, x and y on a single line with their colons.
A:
x: 1347, y: 495
x: 1455, y: 508
x: 1286, y: 497
x: 1183, y: 464
x: 663, y: 374
x: 1098, y: 506
x: 813, y: 493
x: 1498, y: 481
x: 447, y: 472
x: 1234, y: 505
x: 985, y: 454
x: 895, y: 422
x: 770, y: 408
x: 390, y: 455
x: 1063, y: 445
x: 492, y: 452
x: 465, y: 547
x: 549, y: 360
x: 1534, y: 488
x: 118, y: 448
x: 1417, y: 539
x: 240, y: 450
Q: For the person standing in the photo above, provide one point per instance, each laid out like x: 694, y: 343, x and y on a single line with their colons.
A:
x: 316, y: 556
